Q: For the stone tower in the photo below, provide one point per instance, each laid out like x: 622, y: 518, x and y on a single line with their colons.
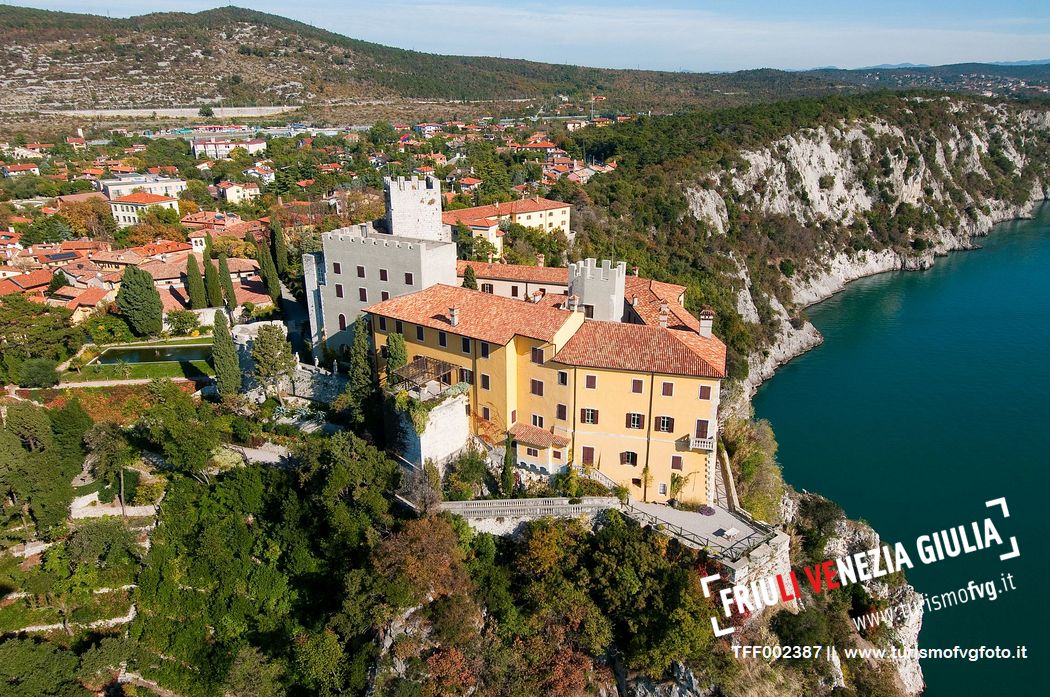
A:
x: 599, y: 289
x: 413, y: 209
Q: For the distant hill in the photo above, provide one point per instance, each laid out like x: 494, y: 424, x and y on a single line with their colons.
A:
x: 241, y: 57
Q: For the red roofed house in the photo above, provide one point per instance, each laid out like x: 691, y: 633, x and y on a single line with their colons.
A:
x: 32, y: 284
x: 20, y: 170
x: 535, y: 212
x: 127, y: 210
x: 82, y: 301
x: 233, y: 192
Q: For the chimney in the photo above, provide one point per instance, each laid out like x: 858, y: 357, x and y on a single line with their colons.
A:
x: 574, y: 303
x: 490, y: 257
x: 634, y: 300
x: 453, y: 313
x: 540, y: 259
x: 707, y: 320
x: 663, y: 315
x: 634, y: 270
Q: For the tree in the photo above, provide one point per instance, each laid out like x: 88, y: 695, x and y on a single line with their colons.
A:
x: 280, y: 248
x: 470, y: 279
x: 139, y: 302
x: 361, y: 386
x: 195, y: 284
x: 227, y: 284
x: 183, y: 322
x: 33, y: 330
x: 396, y: 353
x: 50, y: 228
x: 268, y: 271
x: 206, y: 111
x: 181, y: 428
x: 207, y: 248
x: 273, y: 358
x: 38, y: 372
x: 59, y: 280
x: 212, y: 285
x: 224, y: 355
x: 253, y: 675
x: 30, y: 668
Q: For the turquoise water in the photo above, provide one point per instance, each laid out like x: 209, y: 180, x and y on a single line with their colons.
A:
x: 930, y: 396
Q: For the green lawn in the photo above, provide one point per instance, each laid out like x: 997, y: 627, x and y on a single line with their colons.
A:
x: 173, y: 341
x: 134, y: 371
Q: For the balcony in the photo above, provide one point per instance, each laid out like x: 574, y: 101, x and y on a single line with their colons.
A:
x: 702, y: 443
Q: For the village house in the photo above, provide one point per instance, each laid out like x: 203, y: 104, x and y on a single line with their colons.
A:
x: 82, y: 301
x: 220, y: 149
x: 128, y: 210
x: 536, y: 212
x: 233, y: 192
x: 21, y: 170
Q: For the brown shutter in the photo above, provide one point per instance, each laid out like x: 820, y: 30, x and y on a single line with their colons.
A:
x: 628, y: 425
x: 588, y: 455
x: 670, y: 425
x: 701, y: 428
x: 595, y: 416
x: 705, y: 392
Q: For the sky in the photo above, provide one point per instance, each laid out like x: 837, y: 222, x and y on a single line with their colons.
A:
x: 702, y: 35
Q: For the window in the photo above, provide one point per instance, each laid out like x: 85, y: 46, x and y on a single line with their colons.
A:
x: 663, y: 489
x: 362, y: 294
x: 537, y: 421
x: 668, y: 389
x: 465, y: 343
x: 399, y: 327
x: 629, y: 457
x: 676, y: 462
x: 591, y: 382
x: 537, y: 355
x: 513, y: 291
x: 536, y: 387
x: 664, y: 424
x: 487, y: 288
x: 336, y: 268
x: 466, y: 376
x: 484, y: 349
x: 705, y: 392
x: 408, y: 279
x: 484, y: 381
x: 557, y: 454
x: 636, y: 386
x: 701, y: 428
x: 563, y: 377
x: 384, y: 295
x: 561, y: 412
x: 342, y: 322
x: 514, y: 416
x: 588, y: 455
x: 442, y: 339
x: 382, y: 323
x: 636, y: 482
x: 485, y: 413
x: 382, y: 275
x: 635, y: 421
x: 338, y: 290
x: 360, y: 272
x: 419, y: 333
x: 589, y: 416
x: 532, y: 452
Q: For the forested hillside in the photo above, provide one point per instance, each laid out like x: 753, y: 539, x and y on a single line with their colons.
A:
x: 242, y: 57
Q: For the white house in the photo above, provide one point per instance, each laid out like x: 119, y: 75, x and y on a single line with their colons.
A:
x: 232, y: 192
x: 128, y: 209
x: 220, y: 149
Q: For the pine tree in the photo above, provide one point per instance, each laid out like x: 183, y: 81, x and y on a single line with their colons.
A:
x: 227, y: 284
x: 224, y: 355
x: 470, y: 279
x: 273, y: 358
x: 268, y: 271
x: 396, y: 353
x: 195, y: 285
x: 139, y: 302
x: 211, y: 284
x: 280, y: 248
x: 361, y: 384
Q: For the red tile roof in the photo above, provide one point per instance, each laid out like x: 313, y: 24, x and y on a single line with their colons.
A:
x: 515, y: 272
x: 143, y: 198
x: 524, y: 205
x: 481, y: 315
x: 638, y: 347
x: 531, y: 435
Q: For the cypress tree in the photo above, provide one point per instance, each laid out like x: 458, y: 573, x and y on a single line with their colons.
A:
x: 470, y: 279
x: 227, y: 284
x: 211, y: 284
x: 361, y: 384
x: 195, y: 285
x: 139, y: 302
x: 224, y: 356
x: 207, y: 246
x: 396, y: 353
x: 280, y: 248
x: 268, y: 271
x: 507, y: 474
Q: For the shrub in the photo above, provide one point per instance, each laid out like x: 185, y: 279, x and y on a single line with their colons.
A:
x: 38, y: 372
x: 787, y: 267
x: 183, y: 322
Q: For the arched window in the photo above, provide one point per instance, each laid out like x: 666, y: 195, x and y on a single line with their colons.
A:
x: 342, y: 322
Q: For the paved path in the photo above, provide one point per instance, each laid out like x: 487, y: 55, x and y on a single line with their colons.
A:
x: 268, y: 454
x: 113, y: 383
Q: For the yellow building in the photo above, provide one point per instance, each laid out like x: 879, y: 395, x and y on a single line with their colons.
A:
x: 636, y: 402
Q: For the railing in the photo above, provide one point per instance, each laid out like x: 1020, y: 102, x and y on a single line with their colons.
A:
x: 529, y: 508
x: 600, y: 477
x: 702, y: 443
x: 717, y: 548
